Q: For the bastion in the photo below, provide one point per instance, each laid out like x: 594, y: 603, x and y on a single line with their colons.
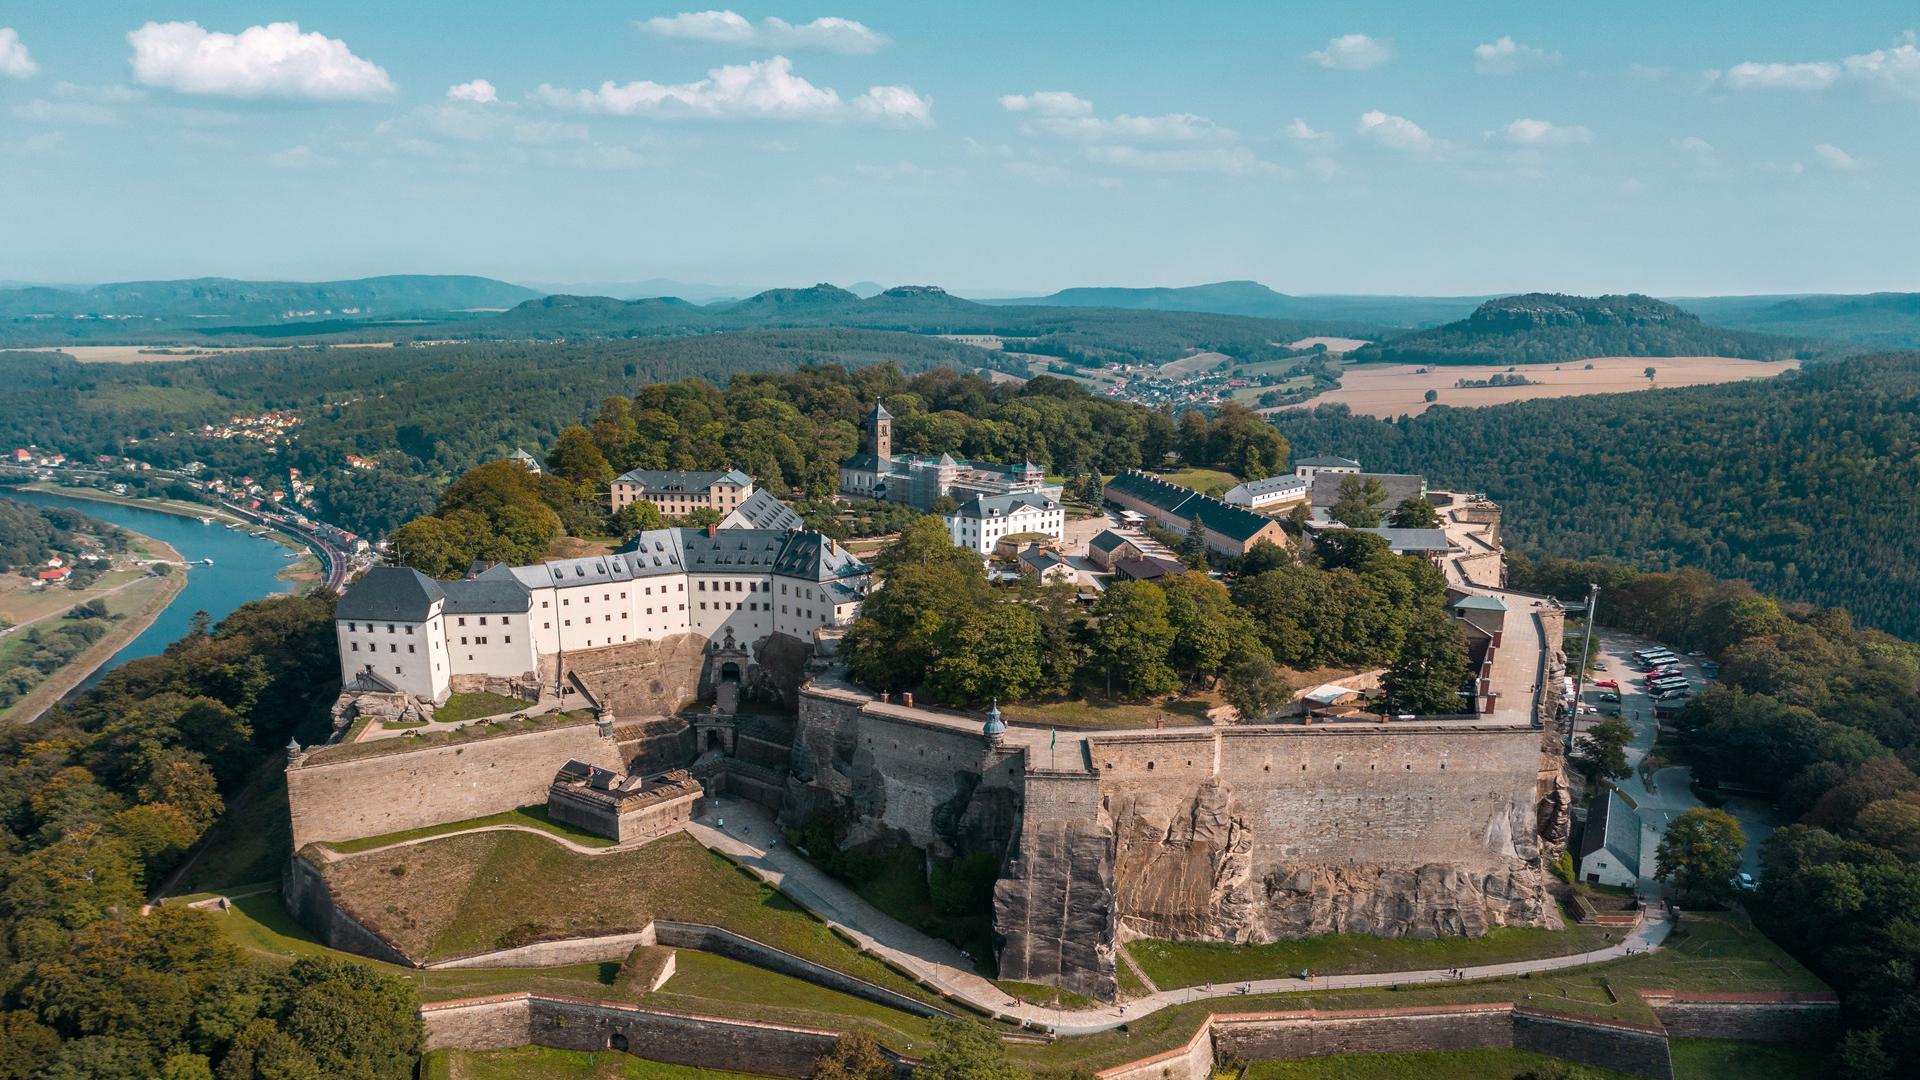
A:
x: 1248, y: 834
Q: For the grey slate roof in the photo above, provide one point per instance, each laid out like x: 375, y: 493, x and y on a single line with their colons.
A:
x: 1399, y: 487
x: 1327, y: 461
x: 1283, y: 482
x: 395, y: 593
x: 1042, y: 560
x: 1420, y: 541
x: 880, y: 412
x: 682, y: 481
x: 1614, y: 825
x: 1108, y: 540
x: 863, y: 462
x: 982, y: 507
x: 762, y: 511
x: 1481, y: 603
x: 495, y: 590
x: 1148, y: 568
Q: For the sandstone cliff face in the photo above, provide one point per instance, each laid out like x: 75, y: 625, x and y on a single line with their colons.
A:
x: 1190, y: 876
x: 1055, y: 909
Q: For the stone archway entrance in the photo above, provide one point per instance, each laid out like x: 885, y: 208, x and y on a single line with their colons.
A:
x: 730, y: 672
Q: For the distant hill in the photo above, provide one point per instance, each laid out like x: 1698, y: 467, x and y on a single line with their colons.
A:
x: 1539, y: 328
x: 1256, y: 300
x: 1082, y: 336
x: 1884, y: 320
x: 264, y: 301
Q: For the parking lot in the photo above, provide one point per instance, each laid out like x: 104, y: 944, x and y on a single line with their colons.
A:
x: 1666, y: 793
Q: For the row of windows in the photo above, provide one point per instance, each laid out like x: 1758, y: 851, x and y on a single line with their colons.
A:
x: 505, y: 640
x: 483, y: 620
x: 351, y: 627
x: 371, y: 647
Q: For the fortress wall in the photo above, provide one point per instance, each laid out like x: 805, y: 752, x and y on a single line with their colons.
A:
x: 1054, y: 904
x: 311, y: 904
x: 1361, y: 794
x: 1752, y: 1021
x: 369, y: 796
x: 479, y: 1024
x: 704, y: 1041
x: 1285, y: 1036
x: 1622, y: 1047
x: 891, y: 771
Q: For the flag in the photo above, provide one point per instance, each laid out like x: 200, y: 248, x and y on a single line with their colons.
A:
x: 1056, y: 739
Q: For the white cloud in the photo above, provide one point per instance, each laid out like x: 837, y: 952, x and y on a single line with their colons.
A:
x: 765, y: 89
x: 895, y: 105
x: 1835, y: 158
x: 1505, y: 56
x: 1695, y: 145
x: 1396, y: 132
x: 1047, y: 103
x: 42, y: 111
x: 1299, y: 130
x: 730, y: 28
x: 1353, y: 52
x: 299, y: 157
x: 1528, y: 132
x: 1896, y: 70
x: 15, y: 62
x: 1810, y: 76
x: 275, y: 60
x: 477, y: 92
x: 1220, y: 159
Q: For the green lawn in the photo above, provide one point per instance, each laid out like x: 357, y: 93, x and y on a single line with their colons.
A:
x: 468, y: 894
x: 1435, y: 1065
x: 463, y: 707
x: 1200, y: 479
x: 1040, y: 994
x: 533, y: 817
x: 541, y: 1063
x: 706, y: 983
x: 1712, y: 952
x: 1189, y: 963
x: 1131, y: 985
x: 1724, y: 1059
x: 1093, y: 712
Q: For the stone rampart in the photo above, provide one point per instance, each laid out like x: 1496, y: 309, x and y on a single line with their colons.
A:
x: 580, y: 950
x: 311, y: 903
x: 1751, y: 1017
x: 1622, y: 1047
x: 490, y: 1023
x: 1309, y: 1033
x: 355, y: 797
x: 725, y: 943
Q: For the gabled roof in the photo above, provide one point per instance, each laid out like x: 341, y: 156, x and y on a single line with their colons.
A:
x: 1614, y: 825
x: 1480, y: 603
x: 1108, y: 541
x: 880, y: 412
x: 1041, y: 559
x: 396, y: 593
x: 761, y: 510
x: 1283, y: 482
x: 982, y: 507
x: 1235, y: 522
x: 493, y: 590
x: 1327, y: 461
x: 683, y: 480
x: 1148, y: 568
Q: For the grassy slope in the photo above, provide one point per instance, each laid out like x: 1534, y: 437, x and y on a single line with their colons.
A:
x: 1438, y: 1065
x: 532, y: 817
x: 1187, y: 963
x: 453, y: 897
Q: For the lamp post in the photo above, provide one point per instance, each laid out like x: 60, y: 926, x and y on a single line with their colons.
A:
x: 1580, y: 670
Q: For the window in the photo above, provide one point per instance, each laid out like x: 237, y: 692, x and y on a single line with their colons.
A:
x: 389, y: 628
x: 409, y: 648
x: 463, y: 639
x: 508, y: 639
x: 546, y: 626
x: 409, y: 630
x: 543, y: 603
x: 396, y: 671
x: 349, y: 628
x: 463, y: 620
x: 483, y: 620
x: 356, y: 646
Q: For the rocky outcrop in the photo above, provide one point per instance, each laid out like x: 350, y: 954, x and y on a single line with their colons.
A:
x: 1191, y: 876
x: 1054, y: 908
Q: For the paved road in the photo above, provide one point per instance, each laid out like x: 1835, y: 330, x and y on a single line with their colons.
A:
x: 1669, y: 791
x: 748, y: 834
x: 24, y: 623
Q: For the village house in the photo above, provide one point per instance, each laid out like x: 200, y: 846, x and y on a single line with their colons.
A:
x: 984, y: 520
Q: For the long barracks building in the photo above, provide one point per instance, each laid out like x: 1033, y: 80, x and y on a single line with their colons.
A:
x: 416, y: 634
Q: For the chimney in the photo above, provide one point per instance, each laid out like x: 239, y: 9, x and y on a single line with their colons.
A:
x: 713, y: 530
x: 907, y: 700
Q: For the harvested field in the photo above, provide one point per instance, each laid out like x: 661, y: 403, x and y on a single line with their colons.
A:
x: 143, y: 354
x: 1391, y: 390
x: 1188, y: 365
x: 1333, y: 344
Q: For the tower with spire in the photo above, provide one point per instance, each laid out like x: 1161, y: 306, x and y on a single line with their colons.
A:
x: 880, y: 431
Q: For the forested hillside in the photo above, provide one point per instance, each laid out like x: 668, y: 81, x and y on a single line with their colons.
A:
x: 201, y: 298
x: 1808, y: 485
x: 1256, y: 300
x: 1888, y: 320
x: 1540, y: 328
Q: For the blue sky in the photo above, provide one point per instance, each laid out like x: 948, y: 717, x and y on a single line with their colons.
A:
x: 1386, y: 148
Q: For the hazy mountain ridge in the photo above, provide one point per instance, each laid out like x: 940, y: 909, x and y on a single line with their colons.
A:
x: 1882, y: 319
x: 1253, y: 299
x: 230, y: 298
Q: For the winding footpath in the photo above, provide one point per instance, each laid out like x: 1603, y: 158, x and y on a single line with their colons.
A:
x: 749, y: 835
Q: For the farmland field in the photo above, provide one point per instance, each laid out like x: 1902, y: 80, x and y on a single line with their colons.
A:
x: 1390, y: 390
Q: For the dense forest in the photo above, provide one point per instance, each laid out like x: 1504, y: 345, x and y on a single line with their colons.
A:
x: 1807, y: 485
x: 1887, y: 320
x: 791, y: 431
x: 98, y: 801
x: 424, y: 413
x: 1826, y: 717
x: 1544, y: 328
x: 29, y: 535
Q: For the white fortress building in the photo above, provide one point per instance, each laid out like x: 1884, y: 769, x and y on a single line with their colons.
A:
x: 417, y: 635
x: 984, y: 520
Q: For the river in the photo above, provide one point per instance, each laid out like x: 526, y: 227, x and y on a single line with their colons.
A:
x: 245, y: 567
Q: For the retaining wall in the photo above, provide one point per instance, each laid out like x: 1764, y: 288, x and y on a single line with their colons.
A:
x: 582, y: 950
x: 1750, y: 1017
x: 411, y: 789
x: 311, y: 904
x: 725, y: 943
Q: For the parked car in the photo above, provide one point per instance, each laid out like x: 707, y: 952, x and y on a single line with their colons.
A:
x: 1745, y: 882
x: 1608, y: 683
x: 1610, y: 699
x: 1599, y: 666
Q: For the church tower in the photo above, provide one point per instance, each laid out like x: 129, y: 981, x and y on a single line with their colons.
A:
x: 880, y: 422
